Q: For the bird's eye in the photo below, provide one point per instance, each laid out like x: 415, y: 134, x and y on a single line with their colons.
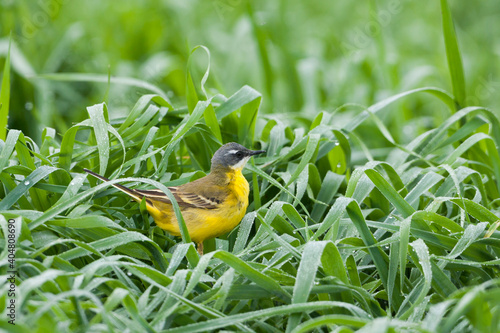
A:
x: 239, y: 154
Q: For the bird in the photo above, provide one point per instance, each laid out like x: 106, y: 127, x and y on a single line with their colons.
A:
x: 211, y: 206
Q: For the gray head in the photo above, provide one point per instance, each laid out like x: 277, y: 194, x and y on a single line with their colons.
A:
x: 233, y: 155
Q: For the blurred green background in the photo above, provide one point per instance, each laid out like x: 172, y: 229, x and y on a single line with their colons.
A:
x: 302, y: 56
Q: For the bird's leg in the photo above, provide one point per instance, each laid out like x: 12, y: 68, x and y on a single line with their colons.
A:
x: 200, y: 248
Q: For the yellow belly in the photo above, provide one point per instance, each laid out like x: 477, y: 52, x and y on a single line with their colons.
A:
x: 208, y: 223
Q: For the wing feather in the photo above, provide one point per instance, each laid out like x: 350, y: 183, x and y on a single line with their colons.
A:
x: 184, y: 199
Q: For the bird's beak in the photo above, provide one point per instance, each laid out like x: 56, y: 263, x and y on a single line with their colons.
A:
x: 256, y: 152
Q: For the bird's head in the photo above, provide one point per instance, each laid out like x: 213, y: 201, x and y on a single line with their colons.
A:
x: 233, y: 155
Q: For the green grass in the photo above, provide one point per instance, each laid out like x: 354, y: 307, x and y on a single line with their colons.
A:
x: 5, y: 97
x: 380, y: 219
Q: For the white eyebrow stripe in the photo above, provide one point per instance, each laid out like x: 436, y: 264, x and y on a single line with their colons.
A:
x: 233, y: 151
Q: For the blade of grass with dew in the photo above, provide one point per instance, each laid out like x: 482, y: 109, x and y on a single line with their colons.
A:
x: 39, y: 199
x: 96, y: 114
x: 5, y: 96
x: 441, y: 94
x: 8, y: 148
x: 260, y: 314
x: 379, y: 258
x: 37, y: 175
x: 305, y: 278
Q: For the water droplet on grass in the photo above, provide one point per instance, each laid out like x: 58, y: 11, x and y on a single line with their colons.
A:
x: 26, y: 182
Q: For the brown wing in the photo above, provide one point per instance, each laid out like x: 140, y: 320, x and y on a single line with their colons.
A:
x: 184, y: 199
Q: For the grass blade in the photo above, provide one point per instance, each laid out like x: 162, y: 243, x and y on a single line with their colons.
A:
x: 453, y: 55
x: 5, y: 96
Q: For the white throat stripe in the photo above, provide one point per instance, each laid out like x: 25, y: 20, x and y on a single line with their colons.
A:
x: 241, y: 163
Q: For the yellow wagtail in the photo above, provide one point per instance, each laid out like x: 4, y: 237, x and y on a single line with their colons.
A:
x: 210, y: 206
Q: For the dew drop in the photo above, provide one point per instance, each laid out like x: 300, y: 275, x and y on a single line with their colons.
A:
x: 26, y: 182
x: 28, y: 106
x: 129, y: 274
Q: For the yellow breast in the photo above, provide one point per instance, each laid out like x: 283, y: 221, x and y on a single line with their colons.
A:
x: 239, y: 189
x: 209, y: 223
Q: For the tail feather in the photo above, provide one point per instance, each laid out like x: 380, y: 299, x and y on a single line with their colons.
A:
x: 133, y: 193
